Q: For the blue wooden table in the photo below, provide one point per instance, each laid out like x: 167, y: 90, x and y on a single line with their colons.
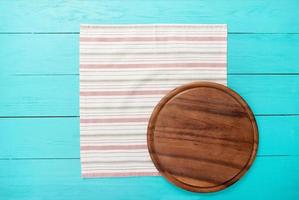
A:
x: 39, y: 94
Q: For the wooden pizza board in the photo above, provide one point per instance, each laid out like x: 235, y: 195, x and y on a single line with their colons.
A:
x: 202, y: 137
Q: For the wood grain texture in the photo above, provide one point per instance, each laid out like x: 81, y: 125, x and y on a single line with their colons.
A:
x: 263, y: 53
x: 59, y: 95
x: 48, y: 138
x: 268, y: 94
x: 269, y: 178
x: 65, y: 16
x: 202, y: 137
x: 37, y: 138
x: 39, y: 95
x: 40, y: 54
x: 41, y: 176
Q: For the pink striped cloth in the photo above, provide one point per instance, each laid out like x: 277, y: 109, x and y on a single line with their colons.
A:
x: 124, y: 72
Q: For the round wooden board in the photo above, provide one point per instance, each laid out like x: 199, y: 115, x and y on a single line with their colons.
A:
x: 202, y: 137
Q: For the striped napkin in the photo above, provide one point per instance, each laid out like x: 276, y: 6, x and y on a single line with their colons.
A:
x: 124, y: 72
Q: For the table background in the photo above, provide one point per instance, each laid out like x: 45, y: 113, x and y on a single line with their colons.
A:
x: 39, y: 88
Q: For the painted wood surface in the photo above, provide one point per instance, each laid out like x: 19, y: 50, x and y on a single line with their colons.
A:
x: 58, y: 95
x: 39, y: 105
x: 51, y: 57
x: 251, y: 16
x: 26, y: 138
x: 60, y: 179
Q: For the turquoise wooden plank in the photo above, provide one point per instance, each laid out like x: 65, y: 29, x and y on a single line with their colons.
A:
x: 271, y: 94
x: 65, y: 16
x: 39, y: 138
x: 59, y: 95
x: 278, y: 135
x: 59, y: 54
x: 39, y: 96
x: 39, y: 54
x: 269, y: 178
x: 263, y: 53
x: 59, y: 137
